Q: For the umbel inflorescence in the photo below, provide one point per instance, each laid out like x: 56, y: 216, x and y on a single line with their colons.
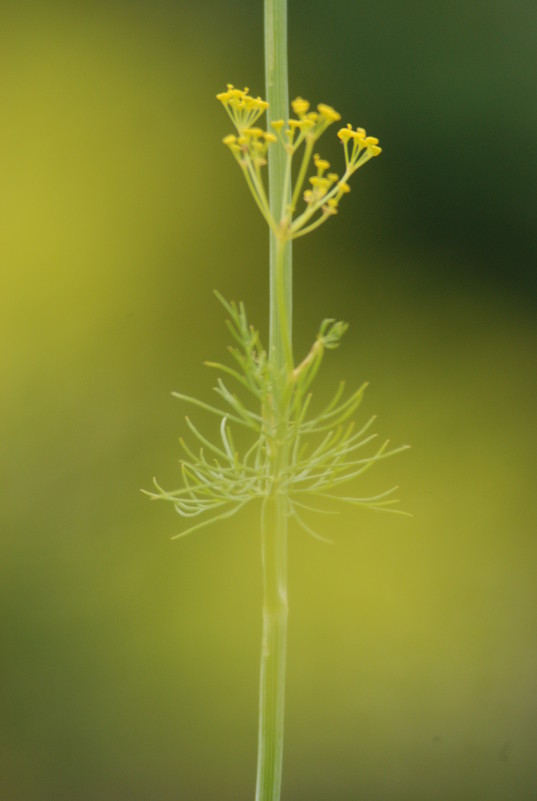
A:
x: 298, y: 136
x: 289, y: 453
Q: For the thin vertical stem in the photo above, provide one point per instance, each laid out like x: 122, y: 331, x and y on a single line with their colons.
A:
x: 283, y: 303
x: 277, y: 94
x: 273, y: 650
x: 274, y: 515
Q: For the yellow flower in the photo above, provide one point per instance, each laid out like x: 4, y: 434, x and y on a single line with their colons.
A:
x: 243, y: 109
x: 328, y: 112
x: 300, y: 106
x: 363, y: 147
x: 250, y: 148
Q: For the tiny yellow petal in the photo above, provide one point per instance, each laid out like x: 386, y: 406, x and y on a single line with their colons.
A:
x: 300, y: 106
x: 321, y: 164
x: 328, y: 112
x: 344, y: 134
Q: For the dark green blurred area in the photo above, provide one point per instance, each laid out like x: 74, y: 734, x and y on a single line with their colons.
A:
x: 129, y: 667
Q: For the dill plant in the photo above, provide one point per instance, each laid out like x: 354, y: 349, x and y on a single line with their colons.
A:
x: 295, y: 461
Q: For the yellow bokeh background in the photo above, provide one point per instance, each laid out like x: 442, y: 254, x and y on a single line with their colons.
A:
x: 130, y: 663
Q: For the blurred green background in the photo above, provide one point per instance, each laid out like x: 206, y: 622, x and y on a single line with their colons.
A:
x: 129, y: 663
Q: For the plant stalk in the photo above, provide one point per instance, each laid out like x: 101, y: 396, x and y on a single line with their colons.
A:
x: 273, y: 649
x: 274, y: 515
x: 277, y: 95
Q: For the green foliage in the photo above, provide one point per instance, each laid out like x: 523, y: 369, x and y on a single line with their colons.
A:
x: 324, y: 451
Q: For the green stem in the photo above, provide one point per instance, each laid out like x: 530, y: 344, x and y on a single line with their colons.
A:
x: 308, y: 149
x: 277, y: 93
x: 273, y: 649
x: 283, y: 306
x: 275, y: 512
x: 257, y: 192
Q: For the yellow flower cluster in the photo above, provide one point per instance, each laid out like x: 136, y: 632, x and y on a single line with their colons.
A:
x: 321, y: 186
x: 324, y: 113
x: 363, y: 147
x: 251, y: 144
x: 243, y: 109
x: 309, y: 125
